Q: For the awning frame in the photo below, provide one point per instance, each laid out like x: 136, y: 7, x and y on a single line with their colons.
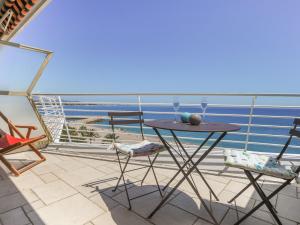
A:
x: 48, y: 56
x: 28, y: 92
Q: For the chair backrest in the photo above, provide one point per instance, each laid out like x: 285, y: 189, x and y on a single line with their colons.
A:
x: 11, y: 126
x: 293, y: 133
x: 121, y: 118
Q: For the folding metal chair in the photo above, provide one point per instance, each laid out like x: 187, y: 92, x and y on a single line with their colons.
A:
x: 264, y: 165
x: 9, y: 143
x: 144, y: 148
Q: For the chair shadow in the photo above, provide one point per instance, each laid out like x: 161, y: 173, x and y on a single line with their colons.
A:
x: 142, y: 207
x: 224, y: 212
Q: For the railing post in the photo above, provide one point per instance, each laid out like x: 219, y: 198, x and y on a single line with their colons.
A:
x: 140, y: 103
x: 250, y: 121
x: 64, y: 118
x: 140, y: 108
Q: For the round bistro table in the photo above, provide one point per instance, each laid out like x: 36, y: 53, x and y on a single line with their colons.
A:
x: 189, y: 165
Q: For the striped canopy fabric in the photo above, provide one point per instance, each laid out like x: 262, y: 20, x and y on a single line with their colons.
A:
x: 19, y: 8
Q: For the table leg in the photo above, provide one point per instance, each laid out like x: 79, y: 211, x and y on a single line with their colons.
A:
x: 186, y: 174
x: 191, y: 160
x: 185, y: 164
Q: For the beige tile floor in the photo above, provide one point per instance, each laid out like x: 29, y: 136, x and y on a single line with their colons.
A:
x: 77, y: 190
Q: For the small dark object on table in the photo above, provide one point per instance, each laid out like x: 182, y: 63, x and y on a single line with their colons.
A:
x: 195, y: 119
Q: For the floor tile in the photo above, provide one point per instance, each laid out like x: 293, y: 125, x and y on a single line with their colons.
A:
x: 14, y: 217
x: 231, y: 218
x: 288, y: 207
x: 96, y: 186
x: 29, y: 195
x: 12, y: 201
x: 7, y: 187
x: 289, y: 190
x: 194, y: 206
x: 242, y: 203
x: 71, y: 164
x: 135, y: 191
x: 217, y: 187
x: 104, y: 202
x: 48, y: 177
x: 26, y: 180
x: 74, y: 210
x: 36, y: 219
x: 79, y: 176
x: 143, y: 205
x: 120, y: 216
x: 202, y: 222
x: 45, y: 168
x: 54, y: 191
x: 169, y: 214
x: 33, y: 206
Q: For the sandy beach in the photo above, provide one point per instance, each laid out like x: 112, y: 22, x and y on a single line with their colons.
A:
x: 103, y: 134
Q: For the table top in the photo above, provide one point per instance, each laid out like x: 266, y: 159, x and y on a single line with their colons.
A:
x: 202, y: 127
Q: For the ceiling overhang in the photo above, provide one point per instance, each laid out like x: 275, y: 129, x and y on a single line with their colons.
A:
x: 16, y: 14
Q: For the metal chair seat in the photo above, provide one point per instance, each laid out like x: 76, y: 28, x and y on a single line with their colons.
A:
x: 259, y: 163
x: 144, y: 148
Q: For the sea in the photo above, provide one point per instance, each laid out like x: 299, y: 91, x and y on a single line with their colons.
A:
x: 256, y: 143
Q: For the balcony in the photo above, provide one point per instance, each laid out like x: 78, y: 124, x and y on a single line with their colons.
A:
x: 77, y: 189
x: 74, y: 185
x: 236, y: 42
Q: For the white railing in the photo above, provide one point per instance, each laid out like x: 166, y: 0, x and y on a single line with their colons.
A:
x: 53, y: 115
x: 264, y: 126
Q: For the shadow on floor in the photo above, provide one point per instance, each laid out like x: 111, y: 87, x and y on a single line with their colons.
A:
x: 15, y: 207
x: 182, y: 208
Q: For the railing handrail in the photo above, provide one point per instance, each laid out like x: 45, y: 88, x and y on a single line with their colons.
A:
x: 172, y: 94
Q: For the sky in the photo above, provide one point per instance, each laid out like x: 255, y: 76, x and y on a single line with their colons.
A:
x: 232, y: 46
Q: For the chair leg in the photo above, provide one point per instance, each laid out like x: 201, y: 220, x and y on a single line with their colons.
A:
x: 36, y: 151
x: 9, y: 166
x: 154, y: 174
x: 265, y: 199
x: 122, y: 170
x: 123, y: 178
x: 120, y: 166
x: 17, y: 172
x: 126, y: 190
x: 148, y: 170
x: 29, y: 166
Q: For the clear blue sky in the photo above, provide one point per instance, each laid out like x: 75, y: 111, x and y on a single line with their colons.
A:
x: 169, y: 45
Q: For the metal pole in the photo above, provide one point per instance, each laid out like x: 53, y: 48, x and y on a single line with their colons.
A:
x: 65, y: 120
x: 140, y: 109
x: 250, y: 121
x: 140, y: 103
x: 39, y: 73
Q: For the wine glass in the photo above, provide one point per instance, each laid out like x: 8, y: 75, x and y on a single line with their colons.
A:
x: 204, y: 105
x: 176, y: 106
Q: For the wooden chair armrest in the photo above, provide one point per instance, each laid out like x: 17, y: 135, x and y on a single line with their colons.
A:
x: 26, y: 126
x: 29, y: 127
